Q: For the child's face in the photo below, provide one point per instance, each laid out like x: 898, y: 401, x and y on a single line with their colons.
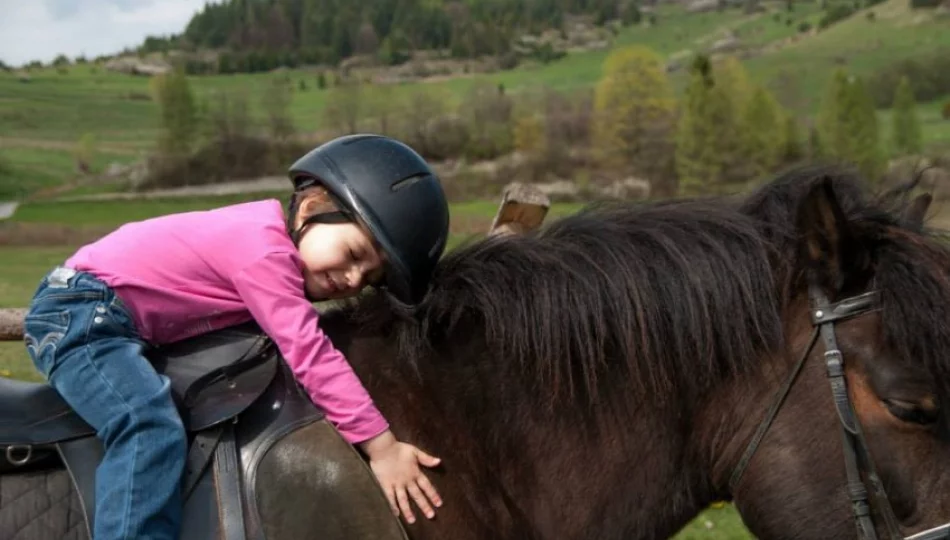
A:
x: 339, y: 259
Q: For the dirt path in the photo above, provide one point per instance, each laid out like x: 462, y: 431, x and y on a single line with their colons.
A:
x: 46, y: 144
x: 264, y: 184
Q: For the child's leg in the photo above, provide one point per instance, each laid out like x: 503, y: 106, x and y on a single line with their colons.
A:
x: 86, y: 344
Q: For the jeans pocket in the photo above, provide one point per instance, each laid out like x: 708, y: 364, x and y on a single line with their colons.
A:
x: 42, y: 334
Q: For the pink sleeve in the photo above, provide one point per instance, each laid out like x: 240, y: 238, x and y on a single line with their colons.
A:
x: 272, y: 287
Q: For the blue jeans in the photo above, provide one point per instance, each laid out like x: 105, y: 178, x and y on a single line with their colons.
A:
x: 83, y: 340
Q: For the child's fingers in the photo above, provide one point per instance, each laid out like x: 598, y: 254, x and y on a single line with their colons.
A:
x: 420, y: 500
x: 391, y: 497
x: 429, y: 490
x: 403, y: 499
x: 426, y: 459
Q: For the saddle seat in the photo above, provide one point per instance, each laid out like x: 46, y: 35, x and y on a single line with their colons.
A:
x: 214, y: 377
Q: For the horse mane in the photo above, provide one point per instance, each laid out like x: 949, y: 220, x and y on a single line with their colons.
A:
x: 668, y: 297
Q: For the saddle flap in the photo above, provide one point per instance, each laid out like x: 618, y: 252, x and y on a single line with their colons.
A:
x: 216, y: 376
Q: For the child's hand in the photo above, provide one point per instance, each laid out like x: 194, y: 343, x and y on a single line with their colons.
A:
x: 396, y: 465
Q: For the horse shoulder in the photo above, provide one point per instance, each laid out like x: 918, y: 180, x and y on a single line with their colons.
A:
x: 312, y: 483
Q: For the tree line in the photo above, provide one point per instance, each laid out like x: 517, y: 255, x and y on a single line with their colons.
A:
x: 258, y: 33
x: 722, y: 133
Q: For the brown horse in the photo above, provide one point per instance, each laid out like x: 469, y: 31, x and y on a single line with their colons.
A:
x: 603, y: 379
x: 612, y: 375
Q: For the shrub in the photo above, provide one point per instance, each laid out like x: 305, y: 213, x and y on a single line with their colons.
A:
x: 834, y: 14
x: 929, y: 74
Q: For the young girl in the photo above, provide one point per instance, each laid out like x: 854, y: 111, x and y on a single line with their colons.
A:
x: 366, y: 209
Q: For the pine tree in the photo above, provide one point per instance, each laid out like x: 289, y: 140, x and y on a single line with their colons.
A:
x: 731, y: 95
x: 763, y: 133
x: 847, y: 125
x: 866, y: 148
x: 697, y: 165
x: 907, y: 135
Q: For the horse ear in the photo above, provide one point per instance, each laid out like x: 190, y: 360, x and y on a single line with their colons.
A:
x: 831, y: 253
x: 913, y: 216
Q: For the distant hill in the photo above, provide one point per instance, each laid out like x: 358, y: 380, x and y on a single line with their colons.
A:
x: 792, y: 48
x: 258, y: 35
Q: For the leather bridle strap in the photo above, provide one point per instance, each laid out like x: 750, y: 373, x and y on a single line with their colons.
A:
x: 856, y: 453
x: 770, y: 416
x: 855, y: 446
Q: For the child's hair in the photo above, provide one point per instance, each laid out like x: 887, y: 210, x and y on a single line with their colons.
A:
x: 314, y: 201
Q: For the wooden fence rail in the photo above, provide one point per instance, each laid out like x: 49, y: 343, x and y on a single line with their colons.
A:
x: 11, y: 324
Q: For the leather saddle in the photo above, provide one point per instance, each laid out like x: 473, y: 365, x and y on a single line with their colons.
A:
x: 217, y: 379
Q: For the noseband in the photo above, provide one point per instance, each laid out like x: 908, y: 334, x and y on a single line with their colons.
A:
x: 857, y: 456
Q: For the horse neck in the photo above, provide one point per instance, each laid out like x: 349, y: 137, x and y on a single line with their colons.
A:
x: 733, y: 412
x: 530, y: 474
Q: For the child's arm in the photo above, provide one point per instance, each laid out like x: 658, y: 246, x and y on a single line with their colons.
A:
x: 272, y: 288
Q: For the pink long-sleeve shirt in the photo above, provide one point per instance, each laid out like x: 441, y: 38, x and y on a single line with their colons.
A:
x: 186, y: 274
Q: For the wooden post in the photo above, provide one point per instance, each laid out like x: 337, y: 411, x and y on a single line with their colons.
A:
x: 11, y: 324
x: 522, y: 209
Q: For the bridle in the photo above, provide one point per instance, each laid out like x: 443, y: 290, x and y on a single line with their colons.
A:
x: 857, y: 457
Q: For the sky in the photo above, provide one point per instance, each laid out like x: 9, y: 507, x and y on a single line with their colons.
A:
x: 42, y: 29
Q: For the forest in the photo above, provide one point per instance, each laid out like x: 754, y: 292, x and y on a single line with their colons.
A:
x: 258, y: 35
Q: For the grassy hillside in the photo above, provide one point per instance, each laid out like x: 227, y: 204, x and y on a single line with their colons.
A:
x: 41, y: 120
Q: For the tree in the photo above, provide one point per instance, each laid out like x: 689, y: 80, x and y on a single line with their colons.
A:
x: 847, y: 125
x: 179, y: 116
x: 764, y: 130
x: 634, y: 114
x: 712, y: 151
x: 697, y: 163
x: 907, y: 134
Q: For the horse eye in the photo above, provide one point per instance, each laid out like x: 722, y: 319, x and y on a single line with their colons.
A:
x: 907, y: 411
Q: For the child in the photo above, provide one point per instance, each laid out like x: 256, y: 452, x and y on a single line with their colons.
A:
x: 366, y: 209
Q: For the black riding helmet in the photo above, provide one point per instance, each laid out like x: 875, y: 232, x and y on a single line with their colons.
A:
x: 388, y: 187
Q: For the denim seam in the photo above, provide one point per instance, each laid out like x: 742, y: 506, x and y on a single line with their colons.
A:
x: 127, y: 511
x: 76, y: 295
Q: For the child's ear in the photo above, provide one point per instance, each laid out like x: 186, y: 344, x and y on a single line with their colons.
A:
x: 312, y: 205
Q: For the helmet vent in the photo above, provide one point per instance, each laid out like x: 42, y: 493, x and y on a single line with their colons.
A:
x: 407, y: 181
